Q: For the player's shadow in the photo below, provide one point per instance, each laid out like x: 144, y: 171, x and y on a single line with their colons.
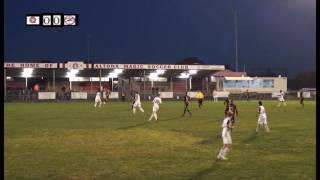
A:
x: 252, y: 137
x: 133, y: 126
x: 203, y: 173
x: 207, y: 141
x: 212, y: 121
x: 168, y: 119
x: 211, y: 140
x: 147, y: 122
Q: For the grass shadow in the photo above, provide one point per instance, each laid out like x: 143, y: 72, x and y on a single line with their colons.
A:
x: 169, y: 119
x: 206, y: 171
x: 207, y: 141
x: 133, y: 126
x: 212, y: 121
x: 252, y: 137
x: 147, y: 122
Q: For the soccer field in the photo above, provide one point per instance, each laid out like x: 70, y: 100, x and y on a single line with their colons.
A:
x: 74, y: 140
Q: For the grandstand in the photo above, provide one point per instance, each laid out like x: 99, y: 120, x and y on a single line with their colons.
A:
x: 79, y: 80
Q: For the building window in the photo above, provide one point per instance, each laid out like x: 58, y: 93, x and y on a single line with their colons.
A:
x: 257, y: 83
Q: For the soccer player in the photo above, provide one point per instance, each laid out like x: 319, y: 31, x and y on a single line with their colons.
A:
x: 226, y: 103
x: 136, y: 103
x: 281, y: 99
x: 156, y: 102
x: 97, y: 100
x: 232, y: 108
x: 262, y: 120
x: 226, y: 137
x: 104, y: 96
x: 107, y: 94
x: 200, y: 97
x: 133, y: 97
x: 248, y: 95
x: 186, y: 100
x: 215, y: 95
x: 301, y: 98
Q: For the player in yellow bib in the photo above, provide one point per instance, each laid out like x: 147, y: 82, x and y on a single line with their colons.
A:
x: 200, y: 97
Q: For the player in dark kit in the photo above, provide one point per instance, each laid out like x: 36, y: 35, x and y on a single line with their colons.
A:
x: 301, y: 98
x: 133, y: 97
x: 233, y: 109
x: 226, y: 103
x: 248, y: 95
x: 186, y: 100
x: 107, y: 94
x: 104, y: 96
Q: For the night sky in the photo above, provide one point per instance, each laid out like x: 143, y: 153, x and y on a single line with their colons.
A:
x: 272, y: 33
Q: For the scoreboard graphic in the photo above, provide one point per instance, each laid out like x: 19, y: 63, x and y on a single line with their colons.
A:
x: 52, y: 20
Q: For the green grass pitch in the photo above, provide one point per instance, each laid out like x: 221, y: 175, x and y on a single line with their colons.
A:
x: 74, y: 140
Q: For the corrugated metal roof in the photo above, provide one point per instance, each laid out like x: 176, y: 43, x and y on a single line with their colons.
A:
x: 238, y: 78
x: 228, y: 73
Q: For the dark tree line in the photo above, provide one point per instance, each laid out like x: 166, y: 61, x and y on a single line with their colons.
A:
x: 303, y: 80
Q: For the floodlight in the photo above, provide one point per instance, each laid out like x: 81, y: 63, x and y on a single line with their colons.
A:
x: 160, y: 71
x: 115, y: 73
x: 193, y: 72
x: 72, y: 73
x: 27, y: 72
x: 184, y: 75
x: 153, y: 76
x: 112, y: 75
x: 118, y: 71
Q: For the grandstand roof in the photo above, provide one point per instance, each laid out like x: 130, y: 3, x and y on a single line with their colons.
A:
x: 229, y: 73
x: 93, y: 70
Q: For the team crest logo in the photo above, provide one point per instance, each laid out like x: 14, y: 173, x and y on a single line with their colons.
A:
x: 33, y: 19
x: 75, y: 66
x: 69, y: 20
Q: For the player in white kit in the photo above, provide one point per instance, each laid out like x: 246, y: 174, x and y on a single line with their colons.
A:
x: 156, y: 102
x: 262, y: 119
x: 226, y: 136
x: 97, y: 100
x: 136, y: 103
x: 281, y: 99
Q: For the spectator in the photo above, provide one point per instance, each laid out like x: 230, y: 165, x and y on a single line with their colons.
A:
x: 215, y: 95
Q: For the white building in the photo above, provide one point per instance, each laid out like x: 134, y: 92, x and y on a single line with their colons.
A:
x: 239, y: 82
